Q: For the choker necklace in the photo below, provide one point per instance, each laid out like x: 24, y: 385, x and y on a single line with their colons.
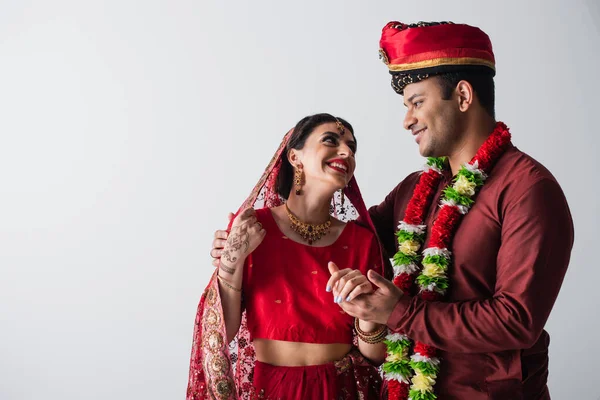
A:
x: 309, y: 232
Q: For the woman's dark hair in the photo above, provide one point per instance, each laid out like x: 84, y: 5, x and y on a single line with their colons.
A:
x: 303, y: 129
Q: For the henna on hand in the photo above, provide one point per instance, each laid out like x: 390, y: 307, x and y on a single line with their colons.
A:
x: 239, y: 238
x: 228, y: 256
x: 237, y: 245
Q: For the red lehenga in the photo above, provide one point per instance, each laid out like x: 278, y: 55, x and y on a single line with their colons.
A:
x: 219, y: 370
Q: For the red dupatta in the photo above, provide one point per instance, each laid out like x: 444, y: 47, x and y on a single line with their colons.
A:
x: 224, y: 371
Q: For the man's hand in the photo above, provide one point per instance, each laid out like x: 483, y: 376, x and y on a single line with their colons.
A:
x: 376, y: 306
x: 219, y: 243
x: 347, y: 284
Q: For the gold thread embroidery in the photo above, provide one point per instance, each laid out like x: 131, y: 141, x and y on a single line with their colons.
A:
x: 211, y: 296
x: 224, y: 388
x: 214, y: 341
x: 212, y: 318
x: 383, y: 57
x: 220, y: 364
x: 441, y: 61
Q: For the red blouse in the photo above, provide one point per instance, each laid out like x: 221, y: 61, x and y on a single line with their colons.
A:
x: 284, y: 284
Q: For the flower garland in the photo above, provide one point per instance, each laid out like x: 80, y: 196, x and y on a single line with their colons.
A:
x: 415, y: 376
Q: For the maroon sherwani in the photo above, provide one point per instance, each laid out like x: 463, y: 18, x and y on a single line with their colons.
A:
x: 510, y: 254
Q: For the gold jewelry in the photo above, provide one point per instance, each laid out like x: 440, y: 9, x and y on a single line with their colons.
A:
x: 225, y: 268
x: 371, y: 337
x: 228, y: 285
x: 340, y: 126
x: 298, y: 181
x: 309, y: 232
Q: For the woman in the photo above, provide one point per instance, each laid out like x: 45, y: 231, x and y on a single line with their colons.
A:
x: 278, y: 270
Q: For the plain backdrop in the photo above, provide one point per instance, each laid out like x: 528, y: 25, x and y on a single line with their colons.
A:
x: 129, y: 129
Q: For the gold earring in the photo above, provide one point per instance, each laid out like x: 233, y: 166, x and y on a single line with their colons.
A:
x: 298, y: 181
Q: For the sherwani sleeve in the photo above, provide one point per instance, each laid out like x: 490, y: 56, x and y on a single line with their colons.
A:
x: 536, y: 242
x: 384, y: 214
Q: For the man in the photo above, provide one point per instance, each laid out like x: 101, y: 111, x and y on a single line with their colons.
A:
x: 510, y: 236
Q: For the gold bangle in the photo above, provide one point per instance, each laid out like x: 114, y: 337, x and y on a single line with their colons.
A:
x: 375, y: 339
x: 227, y: 284
x: 370, y: 337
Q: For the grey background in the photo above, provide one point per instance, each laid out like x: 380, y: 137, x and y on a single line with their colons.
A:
x: 128, y: 130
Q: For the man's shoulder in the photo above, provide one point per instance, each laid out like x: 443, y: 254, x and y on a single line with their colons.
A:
x: 517, y: 174
x: 519, y: 166
x: 409, y: 182
x: 395, y: 199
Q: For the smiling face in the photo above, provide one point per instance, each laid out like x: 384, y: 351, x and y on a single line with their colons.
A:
x: 433, y: 121
x: 327, y: 158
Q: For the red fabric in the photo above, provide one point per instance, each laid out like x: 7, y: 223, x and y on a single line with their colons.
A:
x: 285, y: 295
x: 348, y: 379
x: 215, y: 372
x: 409, y: 45
x: 430, y: 295
x: 310, y: 382
x: 510, y: 254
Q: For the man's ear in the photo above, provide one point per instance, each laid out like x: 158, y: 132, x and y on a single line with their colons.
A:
x: 464, y: 95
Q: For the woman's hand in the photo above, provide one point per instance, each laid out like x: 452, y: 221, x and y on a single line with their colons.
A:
x: 347, y: 284
x: 245, y: 236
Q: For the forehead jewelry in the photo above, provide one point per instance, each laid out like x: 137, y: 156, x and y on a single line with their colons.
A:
x: 340, y: 127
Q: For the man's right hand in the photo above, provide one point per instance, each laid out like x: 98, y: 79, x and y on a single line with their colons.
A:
x: 219, y: 243
x: 376, y: 306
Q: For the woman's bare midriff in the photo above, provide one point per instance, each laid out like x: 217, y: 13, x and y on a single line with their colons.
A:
x: 297, y: 354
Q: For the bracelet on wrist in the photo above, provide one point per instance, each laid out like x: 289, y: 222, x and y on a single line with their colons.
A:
x: 228, y: 285
x: 374, y: 337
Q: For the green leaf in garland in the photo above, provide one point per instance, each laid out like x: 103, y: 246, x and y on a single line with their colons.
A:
x: 425, y: 367
x: 442, y: 261
x: 402, y: 368
x: 418, y: 395
x: 451, y: 194
x: 397, y: 346
x: 404, y: 235
x: 403, y: 259
x: 471, y: 176
x: 437, y: 162
x: 440, y: 282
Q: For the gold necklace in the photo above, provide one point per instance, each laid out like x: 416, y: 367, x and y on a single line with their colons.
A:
x: 309, y: 232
